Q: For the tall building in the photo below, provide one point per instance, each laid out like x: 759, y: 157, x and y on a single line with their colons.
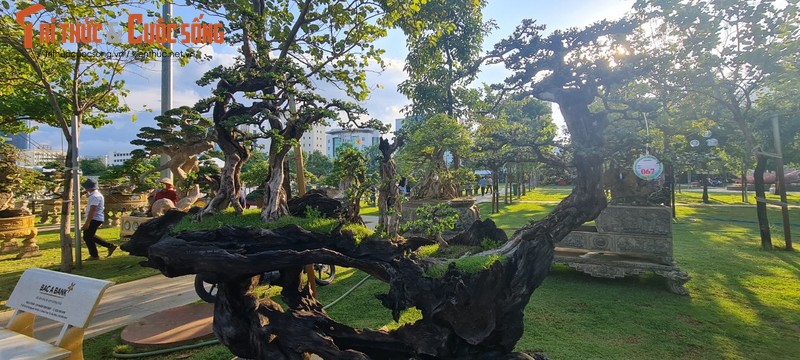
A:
x: 19, y: 141
x: 359, y: 138
x: 314, y: 139
x: 117, y: 158
x: 41, y: 156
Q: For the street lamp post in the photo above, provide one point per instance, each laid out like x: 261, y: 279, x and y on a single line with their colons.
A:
x: 705, y: 145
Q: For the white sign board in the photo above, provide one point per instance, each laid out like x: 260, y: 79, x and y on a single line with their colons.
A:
x: 648, y: 167
x: 65, y: 298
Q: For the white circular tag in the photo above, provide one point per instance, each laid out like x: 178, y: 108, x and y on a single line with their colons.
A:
x: 648, y: 167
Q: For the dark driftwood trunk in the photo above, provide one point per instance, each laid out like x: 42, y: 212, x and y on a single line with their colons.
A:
x: 465, y: 315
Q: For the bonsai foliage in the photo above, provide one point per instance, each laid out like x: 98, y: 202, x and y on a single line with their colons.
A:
x: 350, y: 167
x: 182, y: 134
x: 10, y: 176
x: 82, y: 83
x: 433, y: 221
x: 444, y: 41
x: 135, y: 175
x: 427, y: 140
x: 286, y: 47
x: 512, y: 130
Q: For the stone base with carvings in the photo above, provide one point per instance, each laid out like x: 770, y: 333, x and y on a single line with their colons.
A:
x: 129, y: 224
x: 117, y: 205
x: 627, y: 241
x: 19, y: 227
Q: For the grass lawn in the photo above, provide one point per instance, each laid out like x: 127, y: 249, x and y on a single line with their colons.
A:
x: 744, y: 302
x: 119, y: 268
x: 684, y: 196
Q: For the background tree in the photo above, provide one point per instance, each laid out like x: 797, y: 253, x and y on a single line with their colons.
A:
x: 94, y: 167
x: 513, y: 130
x: 318, y: 164
x: 47, y: 89
x: 444, y: 40
x: 727, y: 52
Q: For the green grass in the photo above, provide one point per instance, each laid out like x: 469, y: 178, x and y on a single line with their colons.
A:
x: 695, y: 196
x: 684, y: 196
x: 469, y: 265
x: 119, y: 268
x: 743, y: 301
x: 252, y: 218
x: 546, y: 193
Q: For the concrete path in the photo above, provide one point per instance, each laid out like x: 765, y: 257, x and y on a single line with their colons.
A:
x: 125, y: 303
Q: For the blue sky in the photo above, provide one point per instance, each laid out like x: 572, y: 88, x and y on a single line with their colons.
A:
x: 385, y: 103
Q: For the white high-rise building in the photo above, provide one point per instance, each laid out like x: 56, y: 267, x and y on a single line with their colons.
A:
x: 314, y: 139
x: 359, y: 138
x: 118, y: 158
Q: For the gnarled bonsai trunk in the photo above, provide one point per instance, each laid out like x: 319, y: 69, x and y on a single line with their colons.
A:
x: 230, y: 182
x: 275, y: 196
x: 434, y: 185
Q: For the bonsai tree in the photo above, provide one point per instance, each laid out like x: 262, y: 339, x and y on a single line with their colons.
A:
x: 427, y: 141
x: 468, y: 312
x: 10, y: 177
x: 15, y: 179
x: 181, y: 134
x: 350, y: 167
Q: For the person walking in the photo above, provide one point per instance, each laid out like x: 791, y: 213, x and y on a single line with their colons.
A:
x: 482, y: 183
x: 95, y: 214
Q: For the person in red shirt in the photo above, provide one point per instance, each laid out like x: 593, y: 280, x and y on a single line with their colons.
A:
x: 167, y: 192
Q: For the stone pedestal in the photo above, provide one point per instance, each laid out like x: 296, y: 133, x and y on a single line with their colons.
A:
x: 627, y: 240
x: 129, y: 224
x: 19, y: 227
x: 118, y: 204
x: 467, y: 212
x: 51, y: 211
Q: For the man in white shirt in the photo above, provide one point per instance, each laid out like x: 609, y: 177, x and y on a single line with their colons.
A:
x: 95, y: 212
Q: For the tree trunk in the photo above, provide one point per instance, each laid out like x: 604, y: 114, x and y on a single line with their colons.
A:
x: 761, y: 207
x: 745, y: 198
x: 230, y: 184
x: 301, y: 171
x: 275, y: 196
x: 389, y: 204
x: 495, y: 192
x: 67, y: 249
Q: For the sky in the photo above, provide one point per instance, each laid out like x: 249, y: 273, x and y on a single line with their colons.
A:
x: 384, y: 103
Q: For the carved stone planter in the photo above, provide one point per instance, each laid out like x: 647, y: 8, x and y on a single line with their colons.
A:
x: 118, y: 204
x: 467, y: 212
x: 627, y: 240
x: 19, y: 227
